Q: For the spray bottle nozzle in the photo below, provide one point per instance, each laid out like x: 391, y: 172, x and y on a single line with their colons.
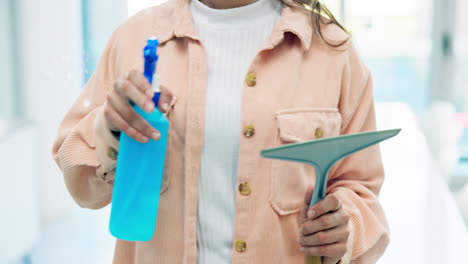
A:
x: 151, y: 57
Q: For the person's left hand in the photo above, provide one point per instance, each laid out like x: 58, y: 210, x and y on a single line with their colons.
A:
x: 324, y: 229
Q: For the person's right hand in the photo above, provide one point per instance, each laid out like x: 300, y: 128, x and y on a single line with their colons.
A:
x: 118, y: 111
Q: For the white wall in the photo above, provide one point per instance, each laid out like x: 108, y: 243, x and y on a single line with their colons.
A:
x: 19, y: 215
x: 51, y: 49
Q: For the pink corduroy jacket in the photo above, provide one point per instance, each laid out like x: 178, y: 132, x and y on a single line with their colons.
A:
x: 303, y: 89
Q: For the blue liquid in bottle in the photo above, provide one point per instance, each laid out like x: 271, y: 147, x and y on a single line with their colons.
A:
x: 139, y: 171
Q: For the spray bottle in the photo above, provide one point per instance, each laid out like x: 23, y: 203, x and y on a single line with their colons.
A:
x: 139, y: 170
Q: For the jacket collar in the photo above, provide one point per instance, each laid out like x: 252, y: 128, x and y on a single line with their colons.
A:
x: 292, y: 20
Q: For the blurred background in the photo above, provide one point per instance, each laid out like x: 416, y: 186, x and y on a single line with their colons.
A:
x: 418, y: 54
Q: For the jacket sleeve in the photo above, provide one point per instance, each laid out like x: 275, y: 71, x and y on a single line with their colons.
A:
x: 85, y: 149
x: 358, y: 178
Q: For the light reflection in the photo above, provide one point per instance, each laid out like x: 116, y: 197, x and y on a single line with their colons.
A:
x: 86, y: 103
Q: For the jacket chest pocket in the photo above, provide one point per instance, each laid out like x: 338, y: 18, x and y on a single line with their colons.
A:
x: 289, y: 180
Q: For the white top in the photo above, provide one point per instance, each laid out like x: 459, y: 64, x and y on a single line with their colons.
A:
x: 231, y: 38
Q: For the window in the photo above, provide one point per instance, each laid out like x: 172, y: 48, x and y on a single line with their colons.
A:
x: 9, y: 90
x: 394, y: 39
x: 98, y: 25
x: 461, y: 56
x: 461, y: 77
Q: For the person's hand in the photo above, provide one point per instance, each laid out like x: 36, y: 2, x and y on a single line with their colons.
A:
x: 324, y: 229
x: 118, y: 111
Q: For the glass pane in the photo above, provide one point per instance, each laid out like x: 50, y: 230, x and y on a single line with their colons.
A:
x: 98, y: 26
x: 461, y: 78
x: 461, y: 55
x: 394, y: 38
x: 8, y: 81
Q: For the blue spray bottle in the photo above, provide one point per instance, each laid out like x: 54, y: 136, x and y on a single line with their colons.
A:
x: 139, y: 170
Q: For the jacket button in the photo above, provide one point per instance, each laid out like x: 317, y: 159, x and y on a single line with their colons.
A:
x: 251, y: 79
x: 240, y: 245
x: 318, y: 133
x: 249, y: 130
x: 112, y: 153
x: 244, y: 189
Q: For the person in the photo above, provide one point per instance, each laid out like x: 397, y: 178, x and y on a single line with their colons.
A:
x: 237, y: 77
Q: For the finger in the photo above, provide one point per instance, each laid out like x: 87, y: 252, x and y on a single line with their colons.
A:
x: 139, y: 80
x: 165, y: 99
x: 328, y: 260
x: 128, y: 90
x: 329, y: 204
x: 307, y: 197
x: 330, y: 236
x: 325, y: 222
x: 134, y: 120
x: 113, y: 116
x: 131, y: 117
x: 336, y: 250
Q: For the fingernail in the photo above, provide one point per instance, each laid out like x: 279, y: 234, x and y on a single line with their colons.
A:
x: 311, y: 213
x: 155, y: 136
x: 149, y: 106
